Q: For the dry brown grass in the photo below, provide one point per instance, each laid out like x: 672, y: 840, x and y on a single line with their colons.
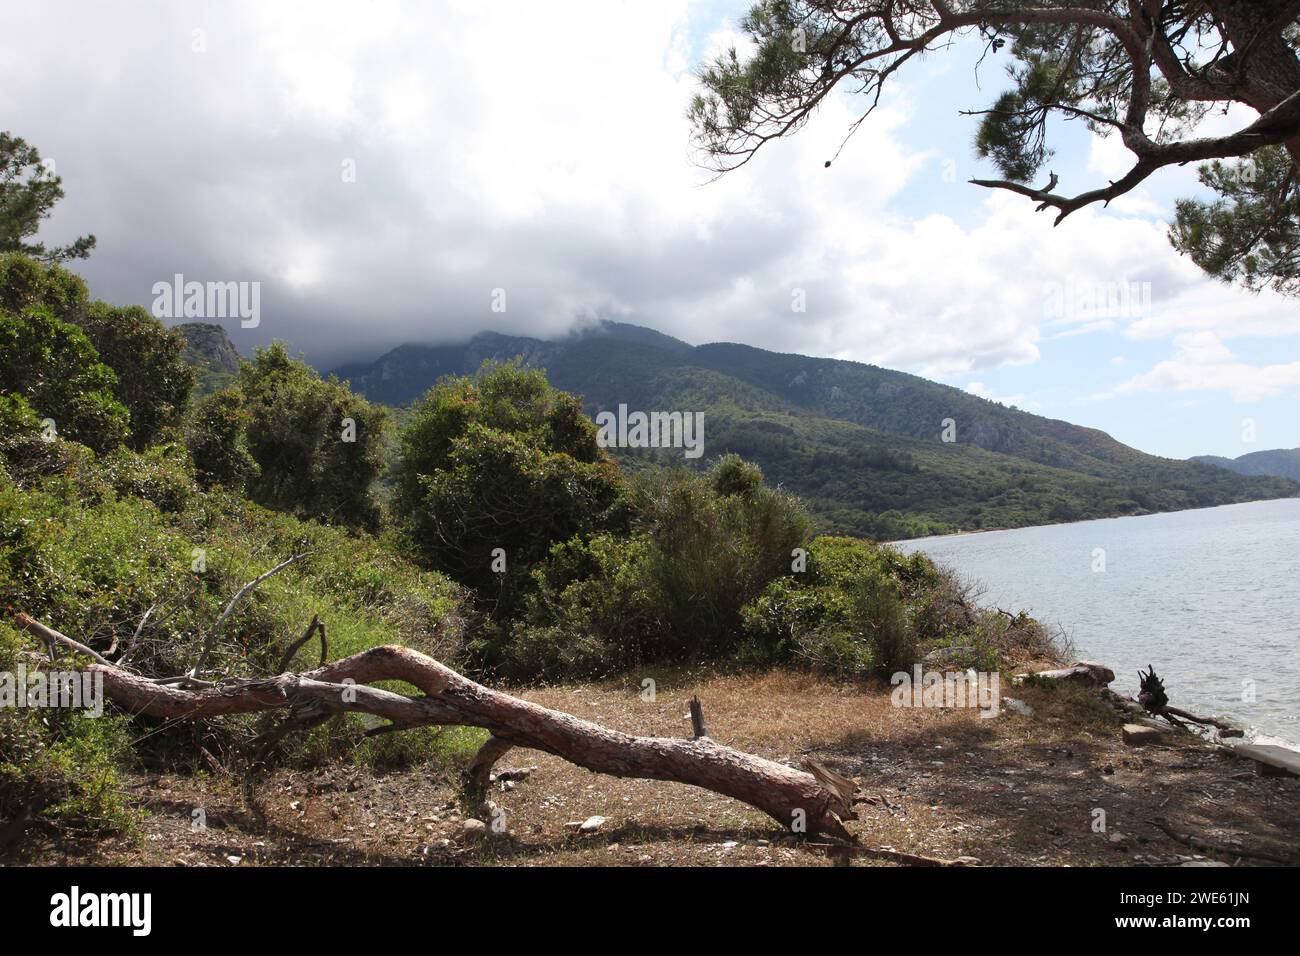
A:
x: 1007, y: 790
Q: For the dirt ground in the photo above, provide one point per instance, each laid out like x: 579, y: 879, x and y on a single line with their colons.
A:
x: 1022, y: 790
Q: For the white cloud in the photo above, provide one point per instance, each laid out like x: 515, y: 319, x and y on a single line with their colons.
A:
x: 506, y: 145
x: 1203, y: 363
x: 983, y: 391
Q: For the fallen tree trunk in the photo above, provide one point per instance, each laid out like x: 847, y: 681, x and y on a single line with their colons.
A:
x: 800, y: 802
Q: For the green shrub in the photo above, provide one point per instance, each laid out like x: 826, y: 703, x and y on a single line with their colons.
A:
x: 502, y: 461
x: 674, y: 590
x: 217, y: 438
x: 319, y: 448
x: 153, y: 379
x: 25, y: 282
x: 592, y: 612
x: 844, y: 614
x: 877, y: 612
x: 60, y: 765
x: 53, y: 366
x: 162, y: 474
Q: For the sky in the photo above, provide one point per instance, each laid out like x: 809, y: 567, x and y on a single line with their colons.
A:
x: 392, y: 172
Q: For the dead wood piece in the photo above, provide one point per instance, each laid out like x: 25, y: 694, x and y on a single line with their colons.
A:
x: 1080, y: 672
x: 53, y: 638
x: 697, y: 719
x: 798, y: 800
x: 843, y: 787
x: 316, y: 625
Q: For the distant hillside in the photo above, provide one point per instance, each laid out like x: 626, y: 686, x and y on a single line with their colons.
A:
x: 208, y: 347
x: 861, y: 444
x: 1280, y: 462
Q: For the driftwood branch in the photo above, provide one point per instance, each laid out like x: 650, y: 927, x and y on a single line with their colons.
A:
x: 1155, y: 700
x: 799, y: 801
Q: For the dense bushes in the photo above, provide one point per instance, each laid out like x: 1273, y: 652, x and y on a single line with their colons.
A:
x: 318, y: 447
x: 131, y: 524
x: 153, y: 380
x: 124, y: 353
x: 217, y: 437
x: 718, y: 568
x: 496, y: 470
x: 52, y: 365
x: 58, y: 764
x: 291, y: 441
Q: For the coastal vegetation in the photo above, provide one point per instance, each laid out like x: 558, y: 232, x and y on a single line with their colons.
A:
x: 512, y: 547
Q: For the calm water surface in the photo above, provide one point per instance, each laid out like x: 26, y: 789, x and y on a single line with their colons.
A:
x: 1208, y: 596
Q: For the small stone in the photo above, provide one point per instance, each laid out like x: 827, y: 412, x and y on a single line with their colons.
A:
x: 591, y: 824
x: 473, y: 829
x: 1139, y: 735
x: 235, y: 860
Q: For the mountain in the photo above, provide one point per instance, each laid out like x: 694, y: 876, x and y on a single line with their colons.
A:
x: 1280, y: 462
x: 862, y: 445
x: 208, y: 347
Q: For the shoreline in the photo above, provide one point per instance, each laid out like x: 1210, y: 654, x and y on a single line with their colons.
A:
x: 1109, y: 616
x: 1080, y: 521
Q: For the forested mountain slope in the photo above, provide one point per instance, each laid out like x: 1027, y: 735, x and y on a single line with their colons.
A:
x: 861, y: 444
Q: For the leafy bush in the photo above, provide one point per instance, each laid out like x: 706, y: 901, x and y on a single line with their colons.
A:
x: 591, y: 612
x: 217, y: 438
x: 844, y: 613
x: 153, y: 380
x: 318, y: 447
x: 150, y: 379
x: 719, y: 540
x: 163, y: 474
x: 53, y: 366
x: 702, y: 548
x: 502, y: 461
x: 25, y: 283
x: 57, y: 764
